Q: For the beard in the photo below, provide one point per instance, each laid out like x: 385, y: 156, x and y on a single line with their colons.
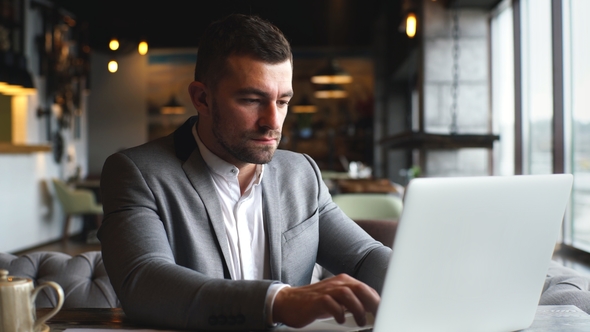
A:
x: 236, y: 143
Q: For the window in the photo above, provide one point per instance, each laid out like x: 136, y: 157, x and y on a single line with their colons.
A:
x: 502, y: 57
x: 537, y: 86
x: 535, y: 52
x: 577, y: 117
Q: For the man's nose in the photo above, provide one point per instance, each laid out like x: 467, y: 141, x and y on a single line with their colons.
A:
x: 270, y: 117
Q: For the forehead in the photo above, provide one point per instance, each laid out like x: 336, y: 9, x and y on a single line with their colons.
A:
x: 245, y: 70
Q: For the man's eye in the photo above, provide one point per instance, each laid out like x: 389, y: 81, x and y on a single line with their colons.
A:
x: 282, y: 103
x: 250, y: 101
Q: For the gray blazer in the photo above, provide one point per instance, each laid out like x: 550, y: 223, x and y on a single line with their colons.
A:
x: 165, y: 248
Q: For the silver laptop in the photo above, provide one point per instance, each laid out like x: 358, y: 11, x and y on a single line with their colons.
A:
x: 470, y: 254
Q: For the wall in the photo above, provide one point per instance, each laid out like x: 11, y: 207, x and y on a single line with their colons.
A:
x: 342, y: 129
x: 29, y: 215
x: 420, y: 82
x: 113, y: 117
x: 117, y: 107
x: 123, y: 105
x: 473, y: 110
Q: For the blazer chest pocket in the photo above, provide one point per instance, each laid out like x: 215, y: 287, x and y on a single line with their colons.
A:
x: 304, y: 227
x: 299, y: 251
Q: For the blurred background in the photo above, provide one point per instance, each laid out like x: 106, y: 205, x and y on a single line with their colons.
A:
x: 421, y: 88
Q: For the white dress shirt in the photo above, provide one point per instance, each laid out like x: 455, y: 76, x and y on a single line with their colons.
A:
x: 242, y: 216
x: 244, y: 223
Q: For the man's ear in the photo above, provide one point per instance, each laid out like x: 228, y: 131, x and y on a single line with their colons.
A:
x: 199, y: 93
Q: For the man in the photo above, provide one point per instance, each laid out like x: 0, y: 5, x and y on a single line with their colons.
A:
x: 212, y: 227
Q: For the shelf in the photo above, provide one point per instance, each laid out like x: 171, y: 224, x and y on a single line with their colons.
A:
x: 421, y: 140
x: 7, y: 148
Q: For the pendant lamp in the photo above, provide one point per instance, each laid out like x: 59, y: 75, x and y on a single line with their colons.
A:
x: 332, y: 73
x: 172, y: 107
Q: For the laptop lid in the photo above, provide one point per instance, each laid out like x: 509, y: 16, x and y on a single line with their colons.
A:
x: 471, y: 253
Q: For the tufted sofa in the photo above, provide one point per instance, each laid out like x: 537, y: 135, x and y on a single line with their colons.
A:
x: 566, y: 286
x: 86, y: 284
x: 82, y: 277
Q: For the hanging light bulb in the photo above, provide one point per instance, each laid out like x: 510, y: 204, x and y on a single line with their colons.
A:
x: 411, y: 23
x: 114, y: 44
x: 113, y: 66
x: 142, y: 48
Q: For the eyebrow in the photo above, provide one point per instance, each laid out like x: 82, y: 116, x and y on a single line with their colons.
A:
x: 254, y: 91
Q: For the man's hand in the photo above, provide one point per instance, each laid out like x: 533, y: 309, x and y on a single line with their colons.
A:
x: 299, y: 306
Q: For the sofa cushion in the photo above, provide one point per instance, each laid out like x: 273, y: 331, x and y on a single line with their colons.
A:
x: 82, y: 277
x: 86, y: 284
x: 566, y: 286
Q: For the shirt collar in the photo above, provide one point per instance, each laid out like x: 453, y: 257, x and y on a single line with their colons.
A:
x: 220, y: 166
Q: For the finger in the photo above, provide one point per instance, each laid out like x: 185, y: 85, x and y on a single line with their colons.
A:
x: 312, y: 305
x: 348, y: 299
x: 358, y: 298
x: 330, y: 305
x: 366, y: 295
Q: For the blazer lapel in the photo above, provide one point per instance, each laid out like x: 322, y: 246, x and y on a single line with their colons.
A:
x: 272, y: 218
x: 198, y: 174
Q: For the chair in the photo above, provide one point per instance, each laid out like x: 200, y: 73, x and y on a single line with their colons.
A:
x: 76, y: 202
x: 376, y: 213
x: 369, y: 206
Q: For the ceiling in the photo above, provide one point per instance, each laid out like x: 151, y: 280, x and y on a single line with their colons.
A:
x: 343, y: 25
x: 180, y: 23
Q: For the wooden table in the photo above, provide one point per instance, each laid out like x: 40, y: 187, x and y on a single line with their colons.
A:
x: 548, y: 318
x: 105, y: 318
x: 97, y: 318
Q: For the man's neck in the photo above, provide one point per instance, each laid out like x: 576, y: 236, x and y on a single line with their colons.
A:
x: 247, y: 170
x: 245, y: 176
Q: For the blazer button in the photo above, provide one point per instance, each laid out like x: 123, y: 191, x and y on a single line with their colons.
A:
x: 240, y: 319
x: 221, y: 320
x: 231, y: 320
x: 212, y: 320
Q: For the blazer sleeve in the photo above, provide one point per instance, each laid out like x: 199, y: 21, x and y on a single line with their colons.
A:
x: 151, y: 287
x: 344, y: 247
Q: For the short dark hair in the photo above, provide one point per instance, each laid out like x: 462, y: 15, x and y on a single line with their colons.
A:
x: 238, y: 34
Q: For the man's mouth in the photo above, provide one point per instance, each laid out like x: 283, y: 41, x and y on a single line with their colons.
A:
x: 265, y: 139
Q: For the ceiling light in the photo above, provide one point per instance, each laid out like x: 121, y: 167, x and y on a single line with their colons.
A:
x: 331, y: 74
x: 15, y: 78
x: 304, y: 106
x: 411, y: 24
x: 330, y: 91
x: 113, y: 66
x: 114, y: 44
x: 172, y: 107
x: 142, y: 48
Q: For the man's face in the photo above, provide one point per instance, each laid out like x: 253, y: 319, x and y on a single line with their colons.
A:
x: 248, y: 107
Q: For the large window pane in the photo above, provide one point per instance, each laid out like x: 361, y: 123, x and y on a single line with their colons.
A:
x: 502, y: 38
x: 537, y: 86
x: 577, y: 104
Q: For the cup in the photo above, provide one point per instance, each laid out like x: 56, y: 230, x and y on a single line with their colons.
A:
x: 17, y: 304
